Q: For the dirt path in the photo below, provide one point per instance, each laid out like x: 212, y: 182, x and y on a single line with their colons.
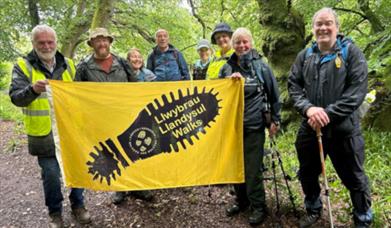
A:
x: 21, y: 202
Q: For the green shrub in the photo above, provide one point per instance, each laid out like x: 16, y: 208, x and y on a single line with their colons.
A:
x: 5, y: 75
x: 8, y: 111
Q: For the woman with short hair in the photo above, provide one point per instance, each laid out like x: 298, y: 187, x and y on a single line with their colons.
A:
x: 261, y: 110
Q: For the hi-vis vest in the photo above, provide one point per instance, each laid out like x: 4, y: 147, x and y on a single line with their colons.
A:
x: 217, y: 63
x: 37, y: 114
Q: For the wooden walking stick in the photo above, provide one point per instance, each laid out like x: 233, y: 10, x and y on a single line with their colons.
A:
x: 326, y: 186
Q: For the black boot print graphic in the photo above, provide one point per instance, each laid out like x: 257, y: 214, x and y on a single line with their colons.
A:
x: 159, y: 128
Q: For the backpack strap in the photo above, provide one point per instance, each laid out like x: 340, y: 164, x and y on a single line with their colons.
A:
x: 342, y: 46
x: 266, y: 106
x: 82, y: 66
x: 344, y: 49
x: 309, y: 52
x: 153, y: 58
x: 259, y: 73
x: 176, y: 56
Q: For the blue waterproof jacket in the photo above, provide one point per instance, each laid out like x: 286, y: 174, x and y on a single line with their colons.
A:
x: 145, y: 75
x: 169, y: 65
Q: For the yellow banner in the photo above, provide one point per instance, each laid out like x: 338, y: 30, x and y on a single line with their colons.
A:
x: 135, y: 136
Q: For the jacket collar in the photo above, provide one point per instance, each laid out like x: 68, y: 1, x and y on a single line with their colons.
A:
x: 170, y: 48
x: 341, y: 39
x: 251, y: 55
x: 34, y: 60
x: 227, y: 54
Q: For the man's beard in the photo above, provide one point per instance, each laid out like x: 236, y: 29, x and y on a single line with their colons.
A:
x: 102, y: 53
x: 47, y: 56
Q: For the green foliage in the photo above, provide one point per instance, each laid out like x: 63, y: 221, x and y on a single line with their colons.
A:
x: 12, y: 22
x: 377, y: 166
x: 379, y: 49
x: 138, y: 31
x: 7, y: 110
x: 5, y: 72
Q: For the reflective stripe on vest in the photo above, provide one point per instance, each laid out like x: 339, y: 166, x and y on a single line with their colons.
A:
x: 37, y: 114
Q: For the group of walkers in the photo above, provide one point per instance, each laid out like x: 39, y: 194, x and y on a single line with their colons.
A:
x: 327, y: 83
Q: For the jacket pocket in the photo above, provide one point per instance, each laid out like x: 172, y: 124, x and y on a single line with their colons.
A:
x: 42, y: 146
x: 347, y: 126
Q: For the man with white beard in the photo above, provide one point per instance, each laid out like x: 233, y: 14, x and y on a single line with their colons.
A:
x: 27, y: 90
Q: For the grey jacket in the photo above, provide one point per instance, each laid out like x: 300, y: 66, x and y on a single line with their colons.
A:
x: 89, y: 70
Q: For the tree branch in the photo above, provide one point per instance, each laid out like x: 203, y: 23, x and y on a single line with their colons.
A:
x: 192, y: 45
x: 222, y: 10
x: 199, y: 19
x: 233, y: 16
x: 103, y: 13
x: 141, y: 31
x: 33, y: 11
x: 355, y: 26
x: 351, y: 11
x: 77, y: 26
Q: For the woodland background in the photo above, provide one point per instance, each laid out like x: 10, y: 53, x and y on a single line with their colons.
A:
x: 281, y: 28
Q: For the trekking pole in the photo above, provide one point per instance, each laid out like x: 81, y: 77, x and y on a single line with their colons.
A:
x: 286, y: 178
x: 326, y: 186
x: 274, y: 176
x: 275, y: 219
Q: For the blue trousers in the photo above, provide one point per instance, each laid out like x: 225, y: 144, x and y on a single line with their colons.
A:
x: 50, y: 172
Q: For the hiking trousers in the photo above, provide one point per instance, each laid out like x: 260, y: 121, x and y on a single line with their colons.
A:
x: 50, y: 173
x: 347, y: 156
x: 252, y: 192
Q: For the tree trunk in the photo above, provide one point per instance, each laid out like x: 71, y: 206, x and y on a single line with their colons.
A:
x: 284, y: 34
x: 76, y: 28
x: 199, y: 19
x: 283, y: 38
x: 102, y: 14
x: 33, y: 11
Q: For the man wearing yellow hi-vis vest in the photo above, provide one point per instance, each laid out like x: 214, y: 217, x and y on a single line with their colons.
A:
x: 27, y: 90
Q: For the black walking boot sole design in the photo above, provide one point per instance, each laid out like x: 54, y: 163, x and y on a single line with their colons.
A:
x: 158, y: 128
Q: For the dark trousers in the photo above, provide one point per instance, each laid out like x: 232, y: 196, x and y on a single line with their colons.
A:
x: 252, y: 192
x: 347, y: 156
x: 50, y: 172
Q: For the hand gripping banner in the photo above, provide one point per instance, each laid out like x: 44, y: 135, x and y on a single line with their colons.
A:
x: 135, y: 136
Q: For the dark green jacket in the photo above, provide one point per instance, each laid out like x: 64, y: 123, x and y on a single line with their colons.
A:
x: 89, y: 70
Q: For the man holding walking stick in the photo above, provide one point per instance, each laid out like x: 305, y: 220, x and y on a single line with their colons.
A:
x: 328, y: 82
